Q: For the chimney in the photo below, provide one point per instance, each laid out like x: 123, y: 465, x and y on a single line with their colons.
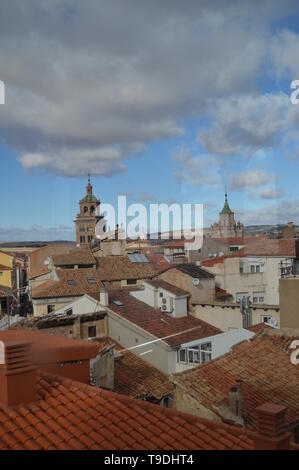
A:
x: 235, y: 399
x: 17, y: 373
x: 102, y: 368
x: 104, y: 298
x: 271, y: 428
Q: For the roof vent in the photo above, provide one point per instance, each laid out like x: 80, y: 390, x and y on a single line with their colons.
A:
x: 17, y: 373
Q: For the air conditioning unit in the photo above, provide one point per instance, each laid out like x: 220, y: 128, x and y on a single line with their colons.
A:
x: 167, y: 304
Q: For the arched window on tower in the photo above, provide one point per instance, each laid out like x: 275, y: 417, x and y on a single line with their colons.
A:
x: 85, y: 209
x: 92, y: 210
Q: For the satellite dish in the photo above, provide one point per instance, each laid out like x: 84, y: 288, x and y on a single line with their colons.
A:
x: 195, y: 281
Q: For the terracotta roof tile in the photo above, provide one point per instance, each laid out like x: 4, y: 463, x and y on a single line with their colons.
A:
x: 81, y: 257
x: 168, y: 287
x: 71, y: 282
x: 117, y: 268
x: 158, y: 323
x: 262, y: 363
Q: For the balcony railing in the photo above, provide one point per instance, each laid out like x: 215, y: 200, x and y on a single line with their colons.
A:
x: 289, y: 268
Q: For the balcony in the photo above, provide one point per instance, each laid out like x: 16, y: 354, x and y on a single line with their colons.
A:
x: 289, y: 268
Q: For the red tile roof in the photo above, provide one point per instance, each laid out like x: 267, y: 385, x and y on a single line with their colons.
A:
x: 39, y: 256
x: 168, y: 287
x: 158, y: 260
x: 51, y: 348
x: 174, y: 331
x: 117, y: 268
x: 258, y: 247
x: 65, y: 287
x: 264, y: 367
x: 82, y: 257
x: 258, y: 328
x: 135, y: 377
x: 71, y: 415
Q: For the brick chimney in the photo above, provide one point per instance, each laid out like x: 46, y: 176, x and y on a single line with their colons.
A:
x: 17, y: 373
x: 271, y: 428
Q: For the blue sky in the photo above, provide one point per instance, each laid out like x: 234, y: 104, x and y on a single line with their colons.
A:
x: 163, y: 103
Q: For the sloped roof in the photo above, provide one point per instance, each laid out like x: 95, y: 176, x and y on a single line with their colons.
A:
x: 71, y: 415
x: 135, y: 377
x: 39, y: 256
x: 51, y: 348
x: 117, y: 268
x: 174, y: 331
x: 79, y: 256
x: 65, y: 287
x: 194, y: 271
x: 264, y: 366
x: 159, y: 283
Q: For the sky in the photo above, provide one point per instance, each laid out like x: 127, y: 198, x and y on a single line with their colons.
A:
x: 161, y: 101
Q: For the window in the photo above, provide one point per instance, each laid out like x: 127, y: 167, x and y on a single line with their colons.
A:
x: 91, y: 281
x: 258, y: 298
x: 240, y: 295
x: 182, y: 355
x: 1, y: 273
x: 266, y: 318
x: 195, y: 355
x: 92, y: 331
x: 92, y: 209
x: 131, y: 282
x: 51, y: 308
x: 69, y: 311
x: 252, y: 268
x: 205, y: 352
x: 85, y: 209
x: 161, y: 294
x: 71, y: 282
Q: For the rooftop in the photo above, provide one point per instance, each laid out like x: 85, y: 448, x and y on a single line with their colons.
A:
x: 168, y: 287
x: 264, y: 367
x: 157, y: 323
x: 71, y: 282
x: 38, y: 257
x: 71, y: 415
x: 135, y: 377
x: 194, y: 271
x: 51, y: 348
x: 75, y: 257
x: 117, y: 268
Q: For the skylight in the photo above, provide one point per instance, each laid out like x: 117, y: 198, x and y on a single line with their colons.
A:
x: 118, y: 303
x: 71, y: 282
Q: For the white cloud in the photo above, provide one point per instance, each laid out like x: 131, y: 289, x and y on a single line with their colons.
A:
x: 96, y: 76
x: 268, y: 193
x: 244, y: 124
x: 196, y: 170
x: 249, y: 179
x: 37, y: 233
x: 272, y: 214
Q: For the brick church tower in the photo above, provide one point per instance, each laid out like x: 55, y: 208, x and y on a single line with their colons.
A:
x: 88, y: 217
